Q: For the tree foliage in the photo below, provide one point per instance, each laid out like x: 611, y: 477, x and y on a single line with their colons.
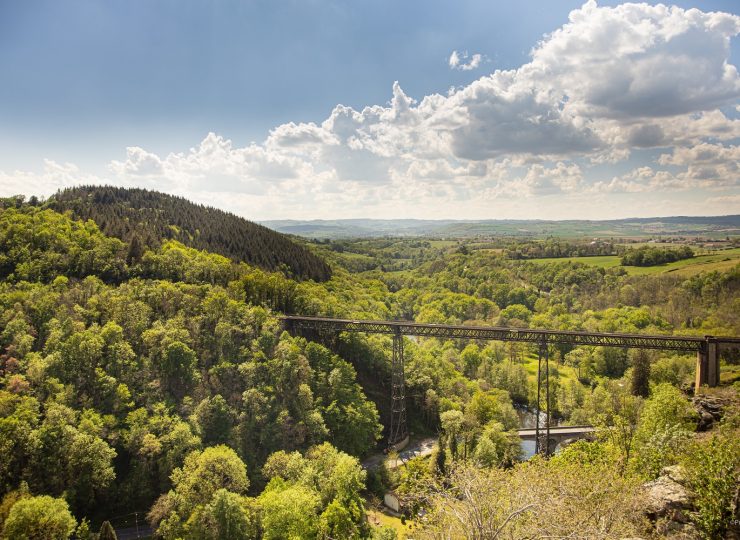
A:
x: 531, y: 501
x: 150, y: 216
x: 148, y: 373
x: 665, y: 426
x: 106, y: 532
x: 651, y: 256
x: 713, y: 467
x: 39, y: 517
x: 227, y: 516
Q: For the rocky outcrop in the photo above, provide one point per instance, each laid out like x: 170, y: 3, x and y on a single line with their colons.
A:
x: 710, y: 410
x: 669, y: 504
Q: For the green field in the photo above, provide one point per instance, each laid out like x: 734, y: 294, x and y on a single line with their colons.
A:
x: 565, y: 373
x: 721, y: 260
x: 442, y: 243
x: 605, y: 261
x: 376, y: 518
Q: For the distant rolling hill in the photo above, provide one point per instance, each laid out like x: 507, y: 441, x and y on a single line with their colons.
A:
x: 152, y: 217
x: 713, y: 226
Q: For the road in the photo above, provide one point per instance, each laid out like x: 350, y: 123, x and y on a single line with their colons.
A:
x: 134, y: 533
x: 417, y: 447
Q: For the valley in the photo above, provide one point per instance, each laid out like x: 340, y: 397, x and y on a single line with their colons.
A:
x: 336, y: 270
x: 135, y: 373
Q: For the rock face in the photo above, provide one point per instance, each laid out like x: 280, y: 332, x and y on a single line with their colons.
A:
x: 669, y: 504
x: 668, y: 499
x: 710, y: 409
x: 675, y: 473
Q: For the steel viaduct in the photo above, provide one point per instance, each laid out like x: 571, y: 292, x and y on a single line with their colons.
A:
x: 707, y: 351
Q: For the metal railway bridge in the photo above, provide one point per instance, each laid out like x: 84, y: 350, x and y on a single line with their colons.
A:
x: 707, y: 349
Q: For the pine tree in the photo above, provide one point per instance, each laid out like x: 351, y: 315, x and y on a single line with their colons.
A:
x: 453, y: 446
x: 83, y: 530
x: 641, y: 374
x: 135, y: 251
x: 107, y: 532
x: 440, y: 460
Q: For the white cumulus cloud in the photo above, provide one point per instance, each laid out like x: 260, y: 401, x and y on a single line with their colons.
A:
x: 611, y: 83
x: 463, y: 61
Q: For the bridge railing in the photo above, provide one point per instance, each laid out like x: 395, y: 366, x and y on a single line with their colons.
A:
x: 528, y: 335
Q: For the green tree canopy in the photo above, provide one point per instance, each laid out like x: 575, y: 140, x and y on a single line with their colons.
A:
x: 225, y: 517
x: 206, y: 472
x: 289, y: 512
x: 39, y: 517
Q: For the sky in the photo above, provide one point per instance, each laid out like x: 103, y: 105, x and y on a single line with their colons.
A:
x: 328, y: 109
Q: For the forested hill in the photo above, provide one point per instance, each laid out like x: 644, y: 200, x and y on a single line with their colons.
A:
x: 162, y: 383
x: 154, y: 217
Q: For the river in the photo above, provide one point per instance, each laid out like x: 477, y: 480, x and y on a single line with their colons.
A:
x: 528, y: 420
x: 425, y: 445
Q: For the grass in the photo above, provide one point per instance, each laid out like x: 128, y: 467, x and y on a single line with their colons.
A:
x: 443, y: 243
x: 604, y: 261
x: 349, y: 256
x: 565, y: 373
x: 721, y: 261
x: 688, y: 267
x: 729, y: 374
x: 376, y: 517
x: 707, y: 266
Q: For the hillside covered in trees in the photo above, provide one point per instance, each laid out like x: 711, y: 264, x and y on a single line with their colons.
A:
x: 163, y: 385
x: 151, y: 217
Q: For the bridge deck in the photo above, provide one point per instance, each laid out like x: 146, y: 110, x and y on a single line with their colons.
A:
x: 642, y: 341
x: 559, y: 431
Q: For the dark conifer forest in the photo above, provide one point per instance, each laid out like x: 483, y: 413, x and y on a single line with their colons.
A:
x: 150, y: 217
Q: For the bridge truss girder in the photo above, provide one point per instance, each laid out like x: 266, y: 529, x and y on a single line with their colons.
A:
x: 707, y: 349
x: 524, y: 335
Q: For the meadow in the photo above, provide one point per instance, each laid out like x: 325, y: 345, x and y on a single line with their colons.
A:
x: 718, y: 261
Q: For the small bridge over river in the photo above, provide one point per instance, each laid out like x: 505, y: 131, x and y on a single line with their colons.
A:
x: 707, y: 351
x: 558, y: 434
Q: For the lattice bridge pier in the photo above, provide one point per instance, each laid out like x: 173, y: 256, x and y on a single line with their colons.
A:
x: 707, y: 350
